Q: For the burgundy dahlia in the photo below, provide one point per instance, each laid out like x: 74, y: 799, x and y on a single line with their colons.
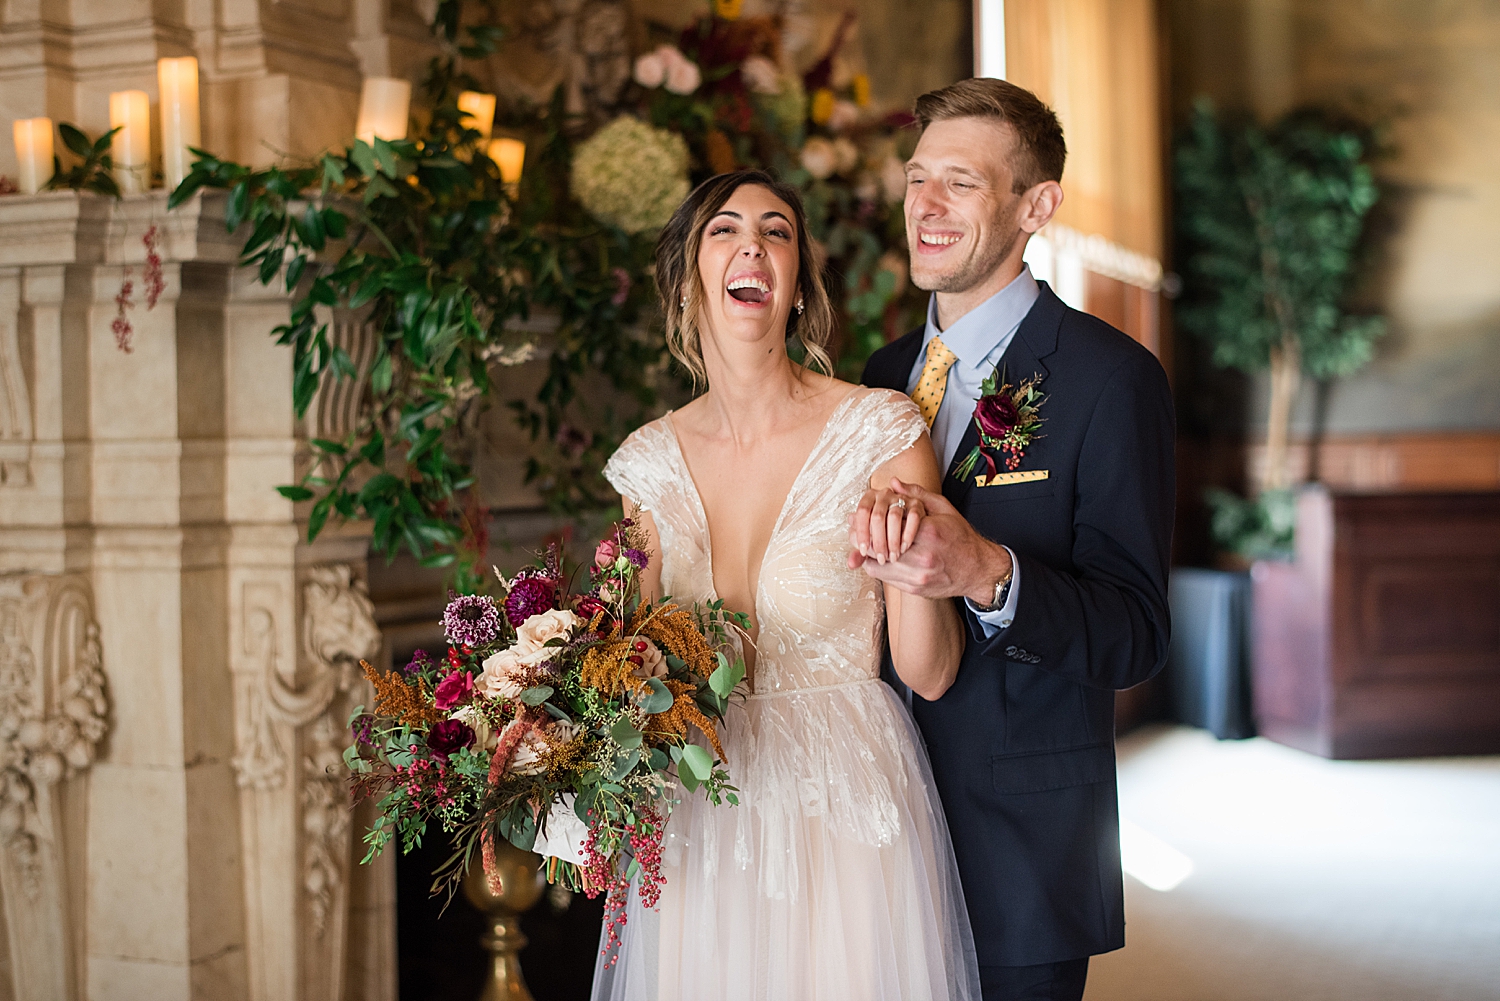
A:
x: 447, y: 736
x: 530, y: 596
x: 472, y: 620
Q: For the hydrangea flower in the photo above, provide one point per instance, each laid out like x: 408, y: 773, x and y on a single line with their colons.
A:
x: 631, y: 175
x: 471, y: 620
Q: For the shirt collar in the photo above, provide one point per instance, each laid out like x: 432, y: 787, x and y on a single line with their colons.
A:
x: 976, y: 334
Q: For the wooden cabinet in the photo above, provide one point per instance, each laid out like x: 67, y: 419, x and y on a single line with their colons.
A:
x: 1383, y: 638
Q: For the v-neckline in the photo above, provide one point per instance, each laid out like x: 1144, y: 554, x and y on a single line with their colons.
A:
x: 776, y: 526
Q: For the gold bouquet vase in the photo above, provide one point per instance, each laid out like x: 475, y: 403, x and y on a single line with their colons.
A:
x: 505, y: 887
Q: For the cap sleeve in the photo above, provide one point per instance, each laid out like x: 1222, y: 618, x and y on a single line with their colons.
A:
x: 895, y: 424
x: 640, y: 466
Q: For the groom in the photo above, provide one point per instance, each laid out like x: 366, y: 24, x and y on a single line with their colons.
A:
x: 1061, y: 562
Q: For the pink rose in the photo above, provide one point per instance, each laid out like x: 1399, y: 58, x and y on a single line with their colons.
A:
x: 453, y: 690
x: 683, y: 76
x: 533, y: 635
x: 504, y: 675
x: 606, y: 554
x: 761, y: 75
x: 651, y: 70
x: 648, y: 659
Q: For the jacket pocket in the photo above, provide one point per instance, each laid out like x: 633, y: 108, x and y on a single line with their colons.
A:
x: 1013, y: 491
x: 1039, y: 771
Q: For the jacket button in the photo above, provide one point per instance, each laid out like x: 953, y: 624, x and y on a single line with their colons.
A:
x: 1011, y: 651
x: 1036, y: 659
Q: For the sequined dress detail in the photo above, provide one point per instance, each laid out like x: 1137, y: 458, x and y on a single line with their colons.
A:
x: 834, y: 878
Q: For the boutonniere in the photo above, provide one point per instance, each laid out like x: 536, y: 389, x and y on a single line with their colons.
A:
x: 1007, y: 419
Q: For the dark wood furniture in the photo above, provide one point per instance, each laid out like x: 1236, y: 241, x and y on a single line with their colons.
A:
x: 1383, y: 638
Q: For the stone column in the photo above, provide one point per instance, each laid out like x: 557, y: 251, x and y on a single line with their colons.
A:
x: 208, y: 851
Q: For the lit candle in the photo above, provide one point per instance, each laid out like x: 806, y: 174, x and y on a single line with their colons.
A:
x: 130, y: 112
x: 383, y: 105
x: 34, y: 153
x: 480, y: 109
x: 509, y: 155
x: 178, y: 80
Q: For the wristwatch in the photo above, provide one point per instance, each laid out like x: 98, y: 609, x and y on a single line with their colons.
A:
x: 1002, y: 590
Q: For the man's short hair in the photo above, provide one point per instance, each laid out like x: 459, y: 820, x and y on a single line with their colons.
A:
x: 1040, y: 151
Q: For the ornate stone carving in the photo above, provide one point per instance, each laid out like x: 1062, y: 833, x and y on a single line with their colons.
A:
x: 53, y: 713
x: 580, y: 44
x: 338, y: 630
x: 52, y: 708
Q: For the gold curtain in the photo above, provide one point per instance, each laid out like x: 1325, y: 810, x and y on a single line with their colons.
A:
x: 1096, y: 62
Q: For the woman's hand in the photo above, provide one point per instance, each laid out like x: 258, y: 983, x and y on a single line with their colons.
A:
x: 884, y: 525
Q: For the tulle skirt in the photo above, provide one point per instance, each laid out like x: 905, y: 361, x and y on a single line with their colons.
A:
x: 833, y: 879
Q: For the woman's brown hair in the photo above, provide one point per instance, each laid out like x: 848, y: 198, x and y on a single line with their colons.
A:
x: 681, y: 288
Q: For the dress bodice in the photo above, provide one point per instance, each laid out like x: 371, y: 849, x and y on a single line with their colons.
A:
x: 820, y: 622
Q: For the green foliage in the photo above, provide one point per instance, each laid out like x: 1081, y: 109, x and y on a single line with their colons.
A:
x: 1268, y: 222
x: 95, y: 169
x: 423, y: 236
x: 1262, y: 527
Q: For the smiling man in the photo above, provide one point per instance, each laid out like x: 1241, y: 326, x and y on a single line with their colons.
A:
x: 1056, y: 536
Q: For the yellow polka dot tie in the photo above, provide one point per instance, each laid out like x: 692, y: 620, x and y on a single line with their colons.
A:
x: 934, y: 381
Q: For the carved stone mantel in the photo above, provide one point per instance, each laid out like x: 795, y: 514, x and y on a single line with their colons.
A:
x: 208, y: 850
x: 53, y: 714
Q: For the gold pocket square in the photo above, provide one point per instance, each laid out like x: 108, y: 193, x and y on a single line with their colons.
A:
x: 1003, y: 479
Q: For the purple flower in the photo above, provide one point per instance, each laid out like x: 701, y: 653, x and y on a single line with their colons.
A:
x: 453, y: 690
x: 420, y: 661
x: 622, y: 287
x: 363, y: 727
x: 472, y: 620
x: 637, y: 558
x: 447, y: 736
x: 530, y: 596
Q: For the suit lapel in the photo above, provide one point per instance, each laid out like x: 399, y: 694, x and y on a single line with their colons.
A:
x: 1035, y: 339
x: 891, y: 368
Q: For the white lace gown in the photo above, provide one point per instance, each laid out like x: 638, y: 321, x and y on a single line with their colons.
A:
x: 834, y: 878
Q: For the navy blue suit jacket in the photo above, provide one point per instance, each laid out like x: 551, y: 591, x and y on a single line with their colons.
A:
x: 1022, y: 745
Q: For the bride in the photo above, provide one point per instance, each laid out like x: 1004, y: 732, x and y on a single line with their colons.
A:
x: 834, y: 877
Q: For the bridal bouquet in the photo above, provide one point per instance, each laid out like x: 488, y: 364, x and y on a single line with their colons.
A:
x: 556, y: 720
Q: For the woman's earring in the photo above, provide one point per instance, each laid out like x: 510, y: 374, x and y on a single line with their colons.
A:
x: 800, y: 307
x: 683, y: 303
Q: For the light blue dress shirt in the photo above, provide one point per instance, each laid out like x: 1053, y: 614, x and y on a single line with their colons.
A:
x: 978, y: 338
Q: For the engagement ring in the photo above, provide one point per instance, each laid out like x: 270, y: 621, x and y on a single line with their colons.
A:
x: 901, y: 503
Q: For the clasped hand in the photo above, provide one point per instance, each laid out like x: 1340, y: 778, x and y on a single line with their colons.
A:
x: 924, y: 547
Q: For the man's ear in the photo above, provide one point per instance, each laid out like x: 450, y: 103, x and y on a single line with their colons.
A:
x: 1039, y: 204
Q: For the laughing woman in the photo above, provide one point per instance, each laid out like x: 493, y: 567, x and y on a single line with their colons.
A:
x: 834, y: 878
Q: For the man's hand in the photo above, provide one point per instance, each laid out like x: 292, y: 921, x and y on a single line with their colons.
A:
x: 946, y: 559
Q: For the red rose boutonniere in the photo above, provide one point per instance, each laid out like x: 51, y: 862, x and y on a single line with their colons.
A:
x: 1007, y: 419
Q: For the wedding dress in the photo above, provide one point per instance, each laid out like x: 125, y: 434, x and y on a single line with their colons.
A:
x: 834, y: 879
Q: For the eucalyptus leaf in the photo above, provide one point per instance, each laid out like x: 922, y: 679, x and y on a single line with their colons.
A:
x: 536, y: 696
x: 697, y: 761
x: 625, y: 765
x: 726, y: 676
x: 625, y: 734
x: 660, y: 698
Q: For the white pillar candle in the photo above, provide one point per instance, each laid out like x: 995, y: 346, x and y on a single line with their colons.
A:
x: 178, y: 80
x: 480, y: 111
x: 383, y: 105
x: 509, y: 155
x: 33, y: 153
x: 130, y: 112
